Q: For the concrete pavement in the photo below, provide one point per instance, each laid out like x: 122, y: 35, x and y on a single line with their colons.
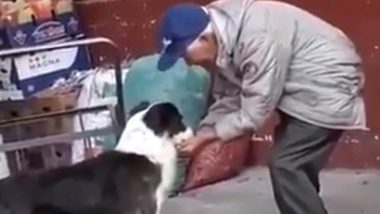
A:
x: 344, y: 192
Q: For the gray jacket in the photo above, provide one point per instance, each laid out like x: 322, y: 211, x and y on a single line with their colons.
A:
x: 274, y: 55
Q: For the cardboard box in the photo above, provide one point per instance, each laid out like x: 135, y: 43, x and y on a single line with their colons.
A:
x: 29, y: 34
x: 10, y: 110
x: 34, y: 22
x: 13, y: 109
x: 18, y: 12
x: 39, y: 71
x: 40, y: 157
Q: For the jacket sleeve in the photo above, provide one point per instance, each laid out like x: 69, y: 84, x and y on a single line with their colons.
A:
x: 225, y: 101
x: 264, y: 62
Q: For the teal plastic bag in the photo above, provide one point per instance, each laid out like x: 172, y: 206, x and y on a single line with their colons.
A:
x: 185, y: 86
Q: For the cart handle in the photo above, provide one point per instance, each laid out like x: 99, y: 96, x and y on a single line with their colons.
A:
x: 83, y: 42
x: 55, y: 114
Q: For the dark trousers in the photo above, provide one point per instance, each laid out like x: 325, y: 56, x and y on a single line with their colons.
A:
x: 300, y: 152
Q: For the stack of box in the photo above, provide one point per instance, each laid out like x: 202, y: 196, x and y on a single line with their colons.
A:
x: 41, y: 157
x: 35, y: 22
x: 27, y: 23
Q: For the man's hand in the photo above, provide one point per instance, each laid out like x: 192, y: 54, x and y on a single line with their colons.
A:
x: 202, y: 138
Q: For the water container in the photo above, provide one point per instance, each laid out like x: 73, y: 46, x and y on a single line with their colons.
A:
x: 185, y: 86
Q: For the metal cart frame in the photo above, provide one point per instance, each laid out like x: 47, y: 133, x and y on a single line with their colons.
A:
x: 118, y: 115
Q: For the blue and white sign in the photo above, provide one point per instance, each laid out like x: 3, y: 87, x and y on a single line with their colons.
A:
x: 39, y: 71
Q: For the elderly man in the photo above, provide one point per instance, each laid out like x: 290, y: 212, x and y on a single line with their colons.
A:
x: 266, y: 56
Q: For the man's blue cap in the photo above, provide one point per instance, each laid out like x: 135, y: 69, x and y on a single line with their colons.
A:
x: 180, y: 26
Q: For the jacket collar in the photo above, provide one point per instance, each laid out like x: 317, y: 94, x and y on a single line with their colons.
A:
x: 220, y: 26
x: 226, y: 20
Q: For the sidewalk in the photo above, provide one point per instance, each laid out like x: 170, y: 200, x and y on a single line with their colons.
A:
x: 344, y: 191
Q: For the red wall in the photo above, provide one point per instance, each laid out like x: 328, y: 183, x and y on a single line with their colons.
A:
x: 131, y: 23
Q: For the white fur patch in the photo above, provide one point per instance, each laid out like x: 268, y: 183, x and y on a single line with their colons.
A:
x: 182, y: 137
x: 139, y: 139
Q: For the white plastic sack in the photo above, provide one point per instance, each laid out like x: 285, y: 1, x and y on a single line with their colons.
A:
x: 98, y: 89
x: 4, y: 169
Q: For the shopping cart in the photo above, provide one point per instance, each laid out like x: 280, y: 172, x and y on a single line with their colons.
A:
x: 116, y: 112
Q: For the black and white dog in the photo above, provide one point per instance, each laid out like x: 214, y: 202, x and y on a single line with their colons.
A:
x: 134, y: 179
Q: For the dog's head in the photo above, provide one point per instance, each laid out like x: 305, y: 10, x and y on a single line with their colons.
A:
x: 163, y: 119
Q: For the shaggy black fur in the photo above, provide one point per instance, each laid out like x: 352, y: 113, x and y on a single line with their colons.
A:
x: 112, y: 183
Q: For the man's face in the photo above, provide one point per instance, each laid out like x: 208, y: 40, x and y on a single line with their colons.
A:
x: 203, y: 51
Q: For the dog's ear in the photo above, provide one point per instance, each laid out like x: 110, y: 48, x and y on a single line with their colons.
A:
x: 156, y: 119
x: 141, y: 106
x: 164, y: 117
